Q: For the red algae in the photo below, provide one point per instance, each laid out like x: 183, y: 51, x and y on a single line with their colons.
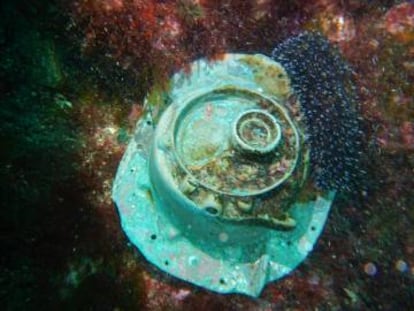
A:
x: 155, y: 38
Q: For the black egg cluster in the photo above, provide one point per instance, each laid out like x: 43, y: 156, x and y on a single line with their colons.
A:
x: 322, y: 81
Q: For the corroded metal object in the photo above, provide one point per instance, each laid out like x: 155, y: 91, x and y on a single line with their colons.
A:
x: 213, y: 188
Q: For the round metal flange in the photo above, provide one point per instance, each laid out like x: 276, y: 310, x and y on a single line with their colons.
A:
x: 257, y: 132
x: 208, y: 189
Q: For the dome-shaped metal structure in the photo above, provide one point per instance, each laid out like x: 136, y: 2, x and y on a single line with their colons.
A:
x: 213, y: 187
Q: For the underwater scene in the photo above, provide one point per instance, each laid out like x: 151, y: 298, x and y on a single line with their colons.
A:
x: 169, y: 155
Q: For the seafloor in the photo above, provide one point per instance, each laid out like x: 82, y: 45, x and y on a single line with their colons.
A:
x: 73, y: 78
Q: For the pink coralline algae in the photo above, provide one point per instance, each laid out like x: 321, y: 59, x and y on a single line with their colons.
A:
x: 407, y: 134
x: 399, y: 22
